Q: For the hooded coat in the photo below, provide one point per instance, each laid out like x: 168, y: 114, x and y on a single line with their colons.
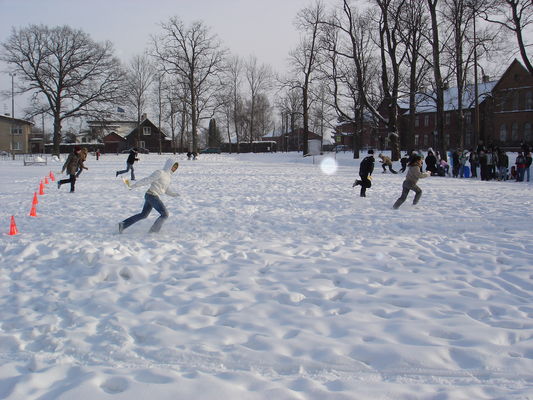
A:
x: 72, y: 163
x: 159, y: 180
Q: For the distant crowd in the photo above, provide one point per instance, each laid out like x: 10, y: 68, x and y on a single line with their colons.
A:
x: 492, y: 163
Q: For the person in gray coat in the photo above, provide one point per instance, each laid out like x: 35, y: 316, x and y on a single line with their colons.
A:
x: 411, y: 180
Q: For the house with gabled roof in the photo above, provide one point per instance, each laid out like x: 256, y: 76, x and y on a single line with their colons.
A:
x: 122, y: 135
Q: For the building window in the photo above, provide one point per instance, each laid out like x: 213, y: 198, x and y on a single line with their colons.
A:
x: 425, y: 140
x: 16, y: 130
x: 468, y: 118
x: 504, y: 102
x: 514, y: 132
x: 416, y: 140
x: 528, y: 135
x: 147, y: 131
x: 426, y: 120
x: 448, y: 118
x: 503, y: 133
x: 417, y: 121
x: 468, y: 138
x: 16, y: 146
x: 516, y: 101
x: 529, y: 100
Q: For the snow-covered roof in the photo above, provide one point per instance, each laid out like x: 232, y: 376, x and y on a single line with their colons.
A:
x: 426, y: 102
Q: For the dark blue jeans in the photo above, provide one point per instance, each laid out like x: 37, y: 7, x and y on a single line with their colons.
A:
x: 150, y: 201
x: 129, y: 167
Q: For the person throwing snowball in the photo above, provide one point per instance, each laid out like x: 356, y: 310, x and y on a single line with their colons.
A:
x: 410, y: 182
x: 159, y: 182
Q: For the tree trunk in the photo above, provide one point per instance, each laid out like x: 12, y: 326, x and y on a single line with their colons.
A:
x: 57, y: 134
x: 440, y: 145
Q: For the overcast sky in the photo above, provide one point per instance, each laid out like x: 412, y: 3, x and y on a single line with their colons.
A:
x: 261, y: 27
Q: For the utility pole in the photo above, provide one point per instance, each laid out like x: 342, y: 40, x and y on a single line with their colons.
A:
x: 12, y: 75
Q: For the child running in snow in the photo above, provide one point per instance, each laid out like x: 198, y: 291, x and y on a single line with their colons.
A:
x: 159, y: 183
x: 410, y: 182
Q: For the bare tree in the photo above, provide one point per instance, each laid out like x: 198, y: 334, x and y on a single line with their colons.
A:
x: 437, y: 75
x: 68, y: 74
x: 259, y: 80
x: 195, y: 55
x: 514, y: 15
x: 290, y: 105
x: 414, y: 27
x: 306, y: 60
x: 392, y: 52
x: 175, y: 103
x: 234, y: 97
x: 356, y: 52
x: 139, y: 78
x: 339, y: 75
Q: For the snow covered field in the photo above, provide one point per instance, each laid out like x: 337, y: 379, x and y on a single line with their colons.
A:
x: 270, y: 280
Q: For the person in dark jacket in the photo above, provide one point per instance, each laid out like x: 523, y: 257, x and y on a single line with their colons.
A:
x: 528, y: 164
x: 365, y: 172
x: 503, y: 166
x: 431, y: 163
x: 483, y: 166
x: 473, y: 158
x: 132, y: 157
x: 404, y: 161
x: 520, y: 166
x: 455, y: 164
x: 71, y: 167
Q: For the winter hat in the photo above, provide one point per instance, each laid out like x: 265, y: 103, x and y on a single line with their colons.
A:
x: 77, y: 148
x: 370, y: 151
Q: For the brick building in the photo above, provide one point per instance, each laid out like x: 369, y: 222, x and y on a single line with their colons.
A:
x: 505, y: 115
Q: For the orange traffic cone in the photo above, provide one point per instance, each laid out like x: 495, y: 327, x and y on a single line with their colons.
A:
x: 52, y: 177
x: 46, y: 180
x: 33, y: 211
x: 35, y: 201
x: 41, y: 188
x: 13, y: 227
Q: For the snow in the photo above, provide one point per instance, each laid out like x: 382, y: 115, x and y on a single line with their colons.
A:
x: 272, y: 279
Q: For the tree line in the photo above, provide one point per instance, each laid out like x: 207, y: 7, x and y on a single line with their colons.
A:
x: 351, y: 62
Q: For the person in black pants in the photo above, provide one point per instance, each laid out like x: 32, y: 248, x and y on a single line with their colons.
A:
x: 404, y: 161
x: 71, y: 167
x: 365, y: 171
x: 132, y: 157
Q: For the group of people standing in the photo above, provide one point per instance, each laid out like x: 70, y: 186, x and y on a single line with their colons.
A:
x: 493, y: 163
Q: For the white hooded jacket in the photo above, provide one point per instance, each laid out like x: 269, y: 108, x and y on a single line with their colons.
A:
x: 159, y: 180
